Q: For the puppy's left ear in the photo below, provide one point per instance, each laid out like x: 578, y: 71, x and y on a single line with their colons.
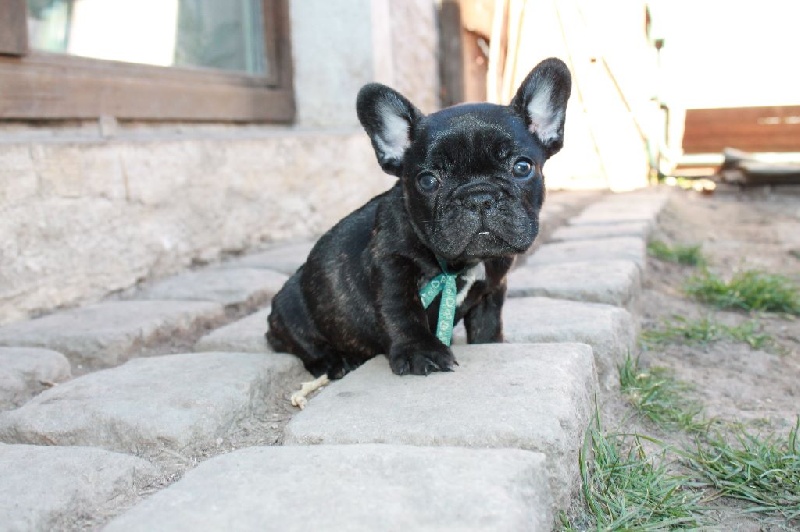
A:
x: 390, y: 120
x: 541, y: 101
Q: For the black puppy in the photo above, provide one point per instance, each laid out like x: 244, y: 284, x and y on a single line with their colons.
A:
x: 466, y: 202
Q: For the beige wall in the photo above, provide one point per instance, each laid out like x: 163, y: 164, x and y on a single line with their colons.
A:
x: 85, y: 211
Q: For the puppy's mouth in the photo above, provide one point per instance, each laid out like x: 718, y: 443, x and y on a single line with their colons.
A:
x: 481, y: 243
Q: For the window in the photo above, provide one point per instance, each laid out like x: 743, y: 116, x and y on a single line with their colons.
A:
x: 146, y: 60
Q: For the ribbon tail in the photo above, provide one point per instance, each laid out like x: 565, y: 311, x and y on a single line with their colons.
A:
x: 447, y: 311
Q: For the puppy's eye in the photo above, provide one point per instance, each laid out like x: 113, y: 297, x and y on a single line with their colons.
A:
x: 523, y: 168
x: 427, y: 182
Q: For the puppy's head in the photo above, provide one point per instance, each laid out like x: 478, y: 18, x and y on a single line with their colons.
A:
x: 472, y: 174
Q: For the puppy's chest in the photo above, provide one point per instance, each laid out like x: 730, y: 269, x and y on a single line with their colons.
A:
x: 465, y: 281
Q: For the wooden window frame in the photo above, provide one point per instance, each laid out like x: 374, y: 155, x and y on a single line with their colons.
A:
x: 44, y: 86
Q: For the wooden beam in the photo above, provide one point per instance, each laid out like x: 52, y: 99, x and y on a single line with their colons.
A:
x: 13, y: 27
x: 758, y: 129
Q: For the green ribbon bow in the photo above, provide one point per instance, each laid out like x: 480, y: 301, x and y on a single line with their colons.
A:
x: 444, y: 283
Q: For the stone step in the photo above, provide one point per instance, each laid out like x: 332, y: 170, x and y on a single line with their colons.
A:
x: 535, y: 397
x: 64, y: 488
x: 614, y: 282
x: 26, y: 371
x: 353, y: 487
x: 285, y: 258
x: 108, y: 333
x: 638, y: 228
x: 246, y: 288
x: 243, y: 336
x: 599, y: 249
x: 643, y: 206
x: 184, y: 404
x: 609, y: 330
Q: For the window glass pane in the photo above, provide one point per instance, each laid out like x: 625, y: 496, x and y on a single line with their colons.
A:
x: 227, y: 34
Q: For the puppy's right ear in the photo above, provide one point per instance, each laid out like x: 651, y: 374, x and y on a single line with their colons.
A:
x: 390, y: 120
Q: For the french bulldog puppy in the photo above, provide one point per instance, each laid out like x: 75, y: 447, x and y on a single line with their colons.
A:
x: 466, y: 202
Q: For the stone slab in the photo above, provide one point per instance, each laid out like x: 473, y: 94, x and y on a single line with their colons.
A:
x: 615, y: 282
x: 182, y: 403
x: 571, y: 198
x: 234, y: 287
x: 355, y: 488
x: 284, y: 258
x: 536, y: 397
x: 242, y: 336
x: 609, y: 330
x: 26, y: 371
x: 639, y: 229
x: 623, y: 208
x: 601, y: 249
x: 109, y: 333
x: 52, y: 488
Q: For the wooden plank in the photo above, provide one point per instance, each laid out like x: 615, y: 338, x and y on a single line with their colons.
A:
x: 451, y: 50
x: 13, y: 27
x: 41, y: 87
x: 759, y: 129
x: 742, y: 114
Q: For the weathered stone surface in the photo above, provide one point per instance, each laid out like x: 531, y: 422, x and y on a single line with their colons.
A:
x: 353, y: 487
x: 616, y: 282
x: 181, y: 403
x: 536, y: 397
x: 108, y: 333
x: 25, y: 371
x: 243, y: 336
x: 639, y: 229
x: 623, y: 208
x: 601, y: 249
x: 569, y: 198
x: 53, y: 488
x: 609, y: 330
x: 284, y: 258
x: 247, y: 287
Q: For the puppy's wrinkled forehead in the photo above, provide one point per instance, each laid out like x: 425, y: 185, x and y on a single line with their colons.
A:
x: 475, y: 137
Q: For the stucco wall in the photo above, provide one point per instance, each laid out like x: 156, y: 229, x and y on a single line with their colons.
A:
x: 85, y: 212
x: 80, y: 220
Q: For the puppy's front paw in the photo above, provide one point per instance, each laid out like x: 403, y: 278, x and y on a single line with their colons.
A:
x: 419, y: 360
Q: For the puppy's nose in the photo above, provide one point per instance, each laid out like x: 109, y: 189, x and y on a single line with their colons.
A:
x: 479, y: 200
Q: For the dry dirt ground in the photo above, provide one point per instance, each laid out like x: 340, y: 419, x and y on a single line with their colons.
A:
x: 738, y: 230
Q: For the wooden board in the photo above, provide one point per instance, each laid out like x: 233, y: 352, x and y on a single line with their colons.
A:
x: 754, y: 129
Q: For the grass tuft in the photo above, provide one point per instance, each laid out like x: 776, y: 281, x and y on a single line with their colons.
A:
x: 659, y: 397
x: 764, y: 472
x: 686, y: 255
x: 747, y: 290
x: 624, y: 489
x: 704, y: 331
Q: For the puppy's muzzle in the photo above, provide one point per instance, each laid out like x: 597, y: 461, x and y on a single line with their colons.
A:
x: 479, y: 198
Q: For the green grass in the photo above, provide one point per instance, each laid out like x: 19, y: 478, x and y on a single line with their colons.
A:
x: 763, y: 472
x: 705, y: 330
x: 658, y: 396
x: 624, y: 489
x: 750, y: 290
x: 686, y: 255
